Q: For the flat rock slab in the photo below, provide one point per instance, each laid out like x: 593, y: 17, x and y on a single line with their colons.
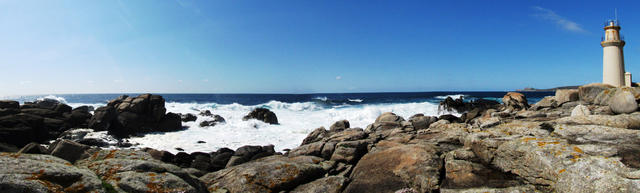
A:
x: 627, y: 121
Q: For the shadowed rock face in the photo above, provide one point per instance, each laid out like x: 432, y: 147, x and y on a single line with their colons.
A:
x: 21, y: 129
x: 129, y: 115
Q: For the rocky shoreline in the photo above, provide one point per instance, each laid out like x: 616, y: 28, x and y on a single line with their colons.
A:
x: 580, y: 140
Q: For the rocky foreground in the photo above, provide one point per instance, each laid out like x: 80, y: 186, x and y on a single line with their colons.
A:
x: 580, y: 140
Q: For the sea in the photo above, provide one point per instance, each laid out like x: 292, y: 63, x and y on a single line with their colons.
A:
x: 298, y: 114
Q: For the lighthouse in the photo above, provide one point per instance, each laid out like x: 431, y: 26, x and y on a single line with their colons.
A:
x: 612, y: 57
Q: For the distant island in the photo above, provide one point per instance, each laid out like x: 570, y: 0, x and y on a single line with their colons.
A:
x: 528, y: 89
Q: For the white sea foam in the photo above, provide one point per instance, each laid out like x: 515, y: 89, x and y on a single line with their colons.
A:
x: 454, y: 96
x: 296, y: 121
x: 356, y: 100
x: 323, y: 98
x: 59, y: 99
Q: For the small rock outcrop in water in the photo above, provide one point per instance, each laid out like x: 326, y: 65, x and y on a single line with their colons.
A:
x: 129, y: 115
x: 188, y: 117
x: 210, y: 123
x: 461, y: 106
x: 262, y: 114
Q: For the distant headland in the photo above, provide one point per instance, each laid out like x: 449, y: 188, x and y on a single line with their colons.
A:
x: 528, y: 89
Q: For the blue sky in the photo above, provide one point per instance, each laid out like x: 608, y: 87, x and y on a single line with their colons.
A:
x: 52, y: 47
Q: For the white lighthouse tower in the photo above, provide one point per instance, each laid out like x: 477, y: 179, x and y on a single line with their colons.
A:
x: 612, y: 57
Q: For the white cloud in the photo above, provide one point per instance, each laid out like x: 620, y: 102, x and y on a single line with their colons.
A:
x: 25, y: 82
x: 338, y: 77
x: 553, y: 17
x: 118, y: 81
x: 179, y: 81
x: 205, y: 80
x: 90, y: 81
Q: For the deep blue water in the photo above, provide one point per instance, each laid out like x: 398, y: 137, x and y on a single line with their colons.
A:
x: 324, y: 99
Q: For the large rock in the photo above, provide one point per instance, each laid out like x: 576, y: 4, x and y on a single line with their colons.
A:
x: 21, y: 129
x: 546, y: 102
x: 419, y: 121
x: 44, y: 173
x: 69, y: 150
x: 451, y: 118
x: 416, y: 166
x: 129, y: 115
x: 8, y: 104
x: 262, y: 114
x: 45, y: 103
x: 41, y: 112
x: 389, y: 117
x: 349, y: 151
x: 137, y: 171
x: 580, y: 110
x: 386, y: 121
x: 450, y: 104
x: 606, y: 97
x: 515, y: 101
x: 589, y: 92
x: 102, y: 118
x: 270, y: 174
x: 220, y: 158
x: 249, y: 152
x: 315, y: 135
x: 313, y: 149
x: 459, y: 105
x: 339, y: 126
x: 78, y: 117
x: 623, y: 102
x: 566, y: 95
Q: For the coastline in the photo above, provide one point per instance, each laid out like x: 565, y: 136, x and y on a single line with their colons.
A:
x: 559, y: 144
